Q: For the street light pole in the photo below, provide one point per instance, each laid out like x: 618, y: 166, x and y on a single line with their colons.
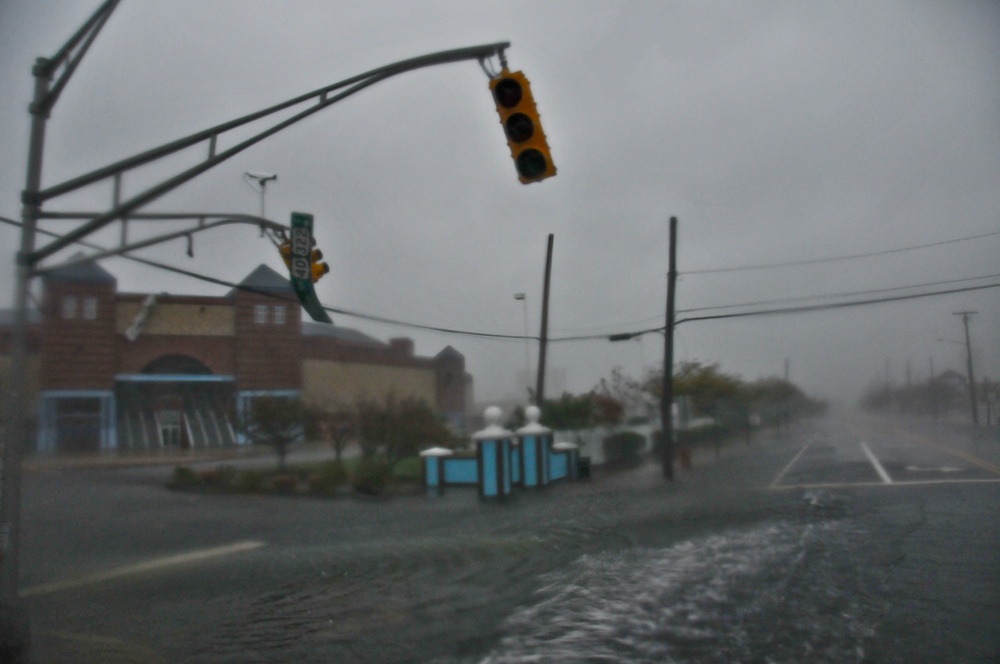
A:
x: 262, y: 180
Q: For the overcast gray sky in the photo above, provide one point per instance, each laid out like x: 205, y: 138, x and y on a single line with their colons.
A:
x: 774, y: 131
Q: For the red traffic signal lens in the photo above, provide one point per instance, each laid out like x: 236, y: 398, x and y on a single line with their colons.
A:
x: 531, y: 163
x: 519, y: 128
x: 508, y: 93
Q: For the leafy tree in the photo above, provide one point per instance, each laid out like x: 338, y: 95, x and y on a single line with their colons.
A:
x: 335, y: 422
x: 607, y: 409
x: 728, y: 399
x: 705, y: 385
x: 933, y: 397
x: 775, y: 398
x: 623, y: 389
x: 398, y: 428
x: 568, y: 412
x: 276, y: 421
x: 516, y: 420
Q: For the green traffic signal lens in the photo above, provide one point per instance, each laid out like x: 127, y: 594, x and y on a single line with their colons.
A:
x: 508, y: 93
x: 531, y: 164
x: 519, y: 127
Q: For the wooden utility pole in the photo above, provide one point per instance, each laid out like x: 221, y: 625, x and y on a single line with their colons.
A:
x: 667, y: 397
x: 543, y: 337
x: 968, y: 362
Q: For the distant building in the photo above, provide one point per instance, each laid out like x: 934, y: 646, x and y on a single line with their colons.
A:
x: 954, y: 379
x: 110, y: 370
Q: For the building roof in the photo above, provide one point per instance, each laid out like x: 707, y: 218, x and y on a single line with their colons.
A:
x: 84, y: 273
x: 310, y: 329
x: 265, y: 279
x: 952, y: 376
x: 449, y: 353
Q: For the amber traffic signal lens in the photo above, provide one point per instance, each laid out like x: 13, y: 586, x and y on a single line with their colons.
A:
x: 531, y: 163
x: 508, y: 93
x: 519, y: 127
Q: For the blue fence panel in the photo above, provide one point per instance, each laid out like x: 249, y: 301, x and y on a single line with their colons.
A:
x: 461, y: 471
x: 560, y: 465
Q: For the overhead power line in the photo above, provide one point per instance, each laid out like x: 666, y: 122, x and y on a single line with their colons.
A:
x: 588, y: 337
x: 229, y: 284
x: 836, y: 305
x: 782, y: 310
x: 834, y: 295
x: 831, y: 259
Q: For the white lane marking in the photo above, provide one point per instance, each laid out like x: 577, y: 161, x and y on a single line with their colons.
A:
x: 148, y: 566
x: 878, y: 467
x: 943, y: 469
x: 847, y: 485
x: 789, y: 466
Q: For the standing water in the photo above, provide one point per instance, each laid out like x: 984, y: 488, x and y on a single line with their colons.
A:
x: 781, y: 592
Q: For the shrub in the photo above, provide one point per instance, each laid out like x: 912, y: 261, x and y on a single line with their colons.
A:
x: 222, y: 476
x: 284, y: 483
x: 409, y: 469
x: 249, y: 481
x: 185, y: 476
x: 624, y: 446
x: 329, y: 478
x: 371, y: 476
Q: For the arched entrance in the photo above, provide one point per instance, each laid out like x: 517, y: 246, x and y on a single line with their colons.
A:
x: 175, y: 401
x: 179, y: 365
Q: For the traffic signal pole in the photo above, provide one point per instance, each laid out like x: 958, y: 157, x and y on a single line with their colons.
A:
x: 14, y: 625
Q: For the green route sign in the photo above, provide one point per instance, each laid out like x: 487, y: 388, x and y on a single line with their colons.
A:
x: 301, y: 267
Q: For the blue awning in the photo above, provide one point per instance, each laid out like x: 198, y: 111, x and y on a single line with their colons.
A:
x: 173, y: 378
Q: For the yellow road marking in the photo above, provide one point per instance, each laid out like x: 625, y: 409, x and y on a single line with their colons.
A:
x: 912, y: 437
x: 139, y: 568
x: 951, y: 450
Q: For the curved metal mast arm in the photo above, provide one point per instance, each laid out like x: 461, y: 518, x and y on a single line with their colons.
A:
x: 353, y: 85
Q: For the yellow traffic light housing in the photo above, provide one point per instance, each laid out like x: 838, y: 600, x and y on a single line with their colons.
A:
x: 285, y: 249
x: 316, y: 268
x: 522, y: 125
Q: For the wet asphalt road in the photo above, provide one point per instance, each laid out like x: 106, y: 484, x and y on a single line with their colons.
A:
x: 843, y: 540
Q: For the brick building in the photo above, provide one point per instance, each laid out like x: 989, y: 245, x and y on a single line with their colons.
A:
x: 112, y: 370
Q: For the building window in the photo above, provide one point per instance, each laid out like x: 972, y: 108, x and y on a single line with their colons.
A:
x: 279, y: 315
x: 90, y: 308
x: 69, y: 307
x: 260, y: 314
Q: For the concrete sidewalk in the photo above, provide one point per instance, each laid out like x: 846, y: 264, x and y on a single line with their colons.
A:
x: 242, y: 457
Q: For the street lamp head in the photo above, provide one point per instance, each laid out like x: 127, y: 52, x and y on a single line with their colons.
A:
x: 519, y: 296
x: 261, y: 177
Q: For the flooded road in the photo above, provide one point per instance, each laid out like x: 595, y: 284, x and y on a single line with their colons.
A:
x: 780, y: 590
x: 743, y: 559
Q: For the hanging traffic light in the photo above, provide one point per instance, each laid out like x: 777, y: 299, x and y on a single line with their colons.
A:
x: 316, y: 268
x: 522, y: 126
x: 285, y: 249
